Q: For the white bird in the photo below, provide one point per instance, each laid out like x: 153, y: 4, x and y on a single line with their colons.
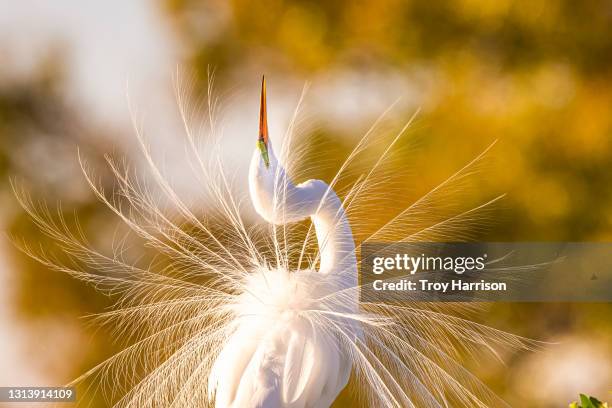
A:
x: 238, y: 317
x: 277, y: 357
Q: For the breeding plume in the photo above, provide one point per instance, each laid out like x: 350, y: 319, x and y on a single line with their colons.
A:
x: 235, y: 315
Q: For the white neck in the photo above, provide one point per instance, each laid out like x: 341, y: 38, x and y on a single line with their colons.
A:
x: 280, y: 202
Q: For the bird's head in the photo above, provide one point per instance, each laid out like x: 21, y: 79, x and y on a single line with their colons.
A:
x: 264, y: 170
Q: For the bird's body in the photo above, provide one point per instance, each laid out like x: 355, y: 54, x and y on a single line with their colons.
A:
x: 278, y: 357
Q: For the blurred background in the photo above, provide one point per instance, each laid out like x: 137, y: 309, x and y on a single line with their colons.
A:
x: 536, y: 75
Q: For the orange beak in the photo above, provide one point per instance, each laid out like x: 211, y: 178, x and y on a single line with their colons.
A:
x: 262, y: 140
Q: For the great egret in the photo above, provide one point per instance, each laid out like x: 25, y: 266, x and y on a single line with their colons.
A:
x: 280, y: 356
x: 237, y: 317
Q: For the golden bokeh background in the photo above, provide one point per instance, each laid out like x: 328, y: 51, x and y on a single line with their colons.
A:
x: 534, y: 75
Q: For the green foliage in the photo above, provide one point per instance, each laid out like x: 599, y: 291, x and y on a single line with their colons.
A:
x: 588, y: 402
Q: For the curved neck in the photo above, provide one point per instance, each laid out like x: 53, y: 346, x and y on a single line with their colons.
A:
x: 279, y: 201
x: 334, y: 235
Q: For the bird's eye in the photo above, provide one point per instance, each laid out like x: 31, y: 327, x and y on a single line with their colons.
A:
x: 264, y: 152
